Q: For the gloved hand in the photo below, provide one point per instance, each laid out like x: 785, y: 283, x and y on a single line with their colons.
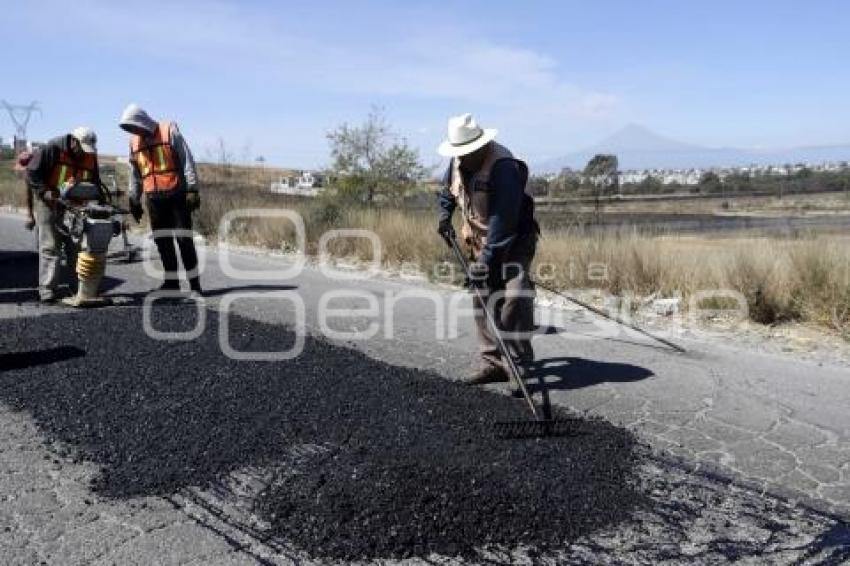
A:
x: 48, y: 196
x: 30, y: 223
x: 193, y: 201
x: 479, y: 275
x: 136, y: 210
x: 446, y: 230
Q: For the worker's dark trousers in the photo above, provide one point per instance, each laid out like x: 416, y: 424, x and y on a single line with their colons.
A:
x: 514, y: 312
x: 169, y: 213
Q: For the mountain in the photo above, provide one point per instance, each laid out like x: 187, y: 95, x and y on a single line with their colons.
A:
x: 637, y: 147
x: 638, y: 138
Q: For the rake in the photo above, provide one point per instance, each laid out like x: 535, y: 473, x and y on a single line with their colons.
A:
x: 603, y: 314
x: 542, y: 424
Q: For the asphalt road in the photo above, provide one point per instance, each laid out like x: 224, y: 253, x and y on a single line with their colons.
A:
x: 778, y: 429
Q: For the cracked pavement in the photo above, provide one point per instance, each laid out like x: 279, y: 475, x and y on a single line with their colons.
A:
x: 779, y: 427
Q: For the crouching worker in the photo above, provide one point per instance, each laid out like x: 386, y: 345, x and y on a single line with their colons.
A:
x: 60, y: 163
x: 500, y: 232
x: 162, y: 167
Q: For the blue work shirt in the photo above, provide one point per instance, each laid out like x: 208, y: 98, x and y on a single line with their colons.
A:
x: 506, y: 208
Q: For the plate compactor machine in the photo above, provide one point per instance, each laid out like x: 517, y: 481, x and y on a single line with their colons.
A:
x: 88, y: 220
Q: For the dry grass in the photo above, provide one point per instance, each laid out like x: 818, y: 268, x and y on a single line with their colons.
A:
x: 405, y: 236
x: 12, y: 187
x: 794, y: 204
x: 801, y: 279
x: 806, y: 278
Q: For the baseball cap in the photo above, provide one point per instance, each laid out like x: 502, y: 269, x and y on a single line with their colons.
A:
x: 86, y: 137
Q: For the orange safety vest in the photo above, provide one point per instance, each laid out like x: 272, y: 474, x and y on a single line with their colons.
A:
x: 154, y: 157
x: 70, y: 170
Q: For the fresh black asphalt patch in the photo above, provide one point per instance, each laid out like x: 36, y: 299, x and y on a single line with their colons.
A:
x: 407, y: 461
x: 369, y: 460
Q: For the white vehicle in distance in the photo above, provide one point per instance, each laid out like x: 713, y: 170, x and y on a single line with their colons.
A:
x: 306, y: 184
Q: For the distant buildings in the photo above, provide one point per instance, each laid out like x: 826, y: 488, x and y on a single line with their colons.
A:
x: 665, y: 176
x: 693, y: 176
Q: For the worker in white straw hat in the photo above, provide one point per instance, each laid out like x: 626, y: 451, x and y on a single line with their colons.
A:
x: 500, y: 232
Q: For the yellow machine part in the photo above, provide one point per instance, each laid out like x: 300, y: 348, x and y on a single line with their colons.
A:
x: 90, y: 266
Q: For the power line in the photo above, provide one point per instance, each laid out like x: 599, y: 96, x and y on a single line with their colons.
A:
x: 20, y: 115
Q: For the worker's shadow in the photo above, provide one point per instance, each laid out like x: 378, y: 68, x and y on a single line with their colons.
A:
x: 248, y: 288
x: 138, y: 298
x: 18, y: 270
x: 549, y: 330
x: 20, y: 360
x: 19, y: 278
x: 576, y: 373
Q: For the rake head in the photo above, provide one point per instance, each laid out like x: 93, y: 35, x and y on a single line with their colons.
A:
x: 540, y: 428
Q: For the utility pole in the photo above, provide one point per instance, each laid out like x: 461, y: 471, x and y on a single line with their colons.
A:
x: 20, y: 115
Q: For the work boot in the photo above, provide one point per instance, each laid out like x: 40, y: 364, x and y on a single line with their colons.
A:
x: 489, y: 374
x: 53, y: 295
x: 169, y: 285
x: 47, y: 297
x: 195, y: 286
x: 524, y: 369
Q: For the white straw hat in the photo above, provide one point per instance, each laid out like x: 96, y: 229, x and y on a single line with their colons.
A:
x: 465, y: 136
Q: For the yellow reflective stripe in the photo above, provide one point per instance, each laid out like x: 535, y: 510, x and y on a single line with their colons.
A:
x: 63, y: 172
x: 161, y: 155
x: 144, y: 164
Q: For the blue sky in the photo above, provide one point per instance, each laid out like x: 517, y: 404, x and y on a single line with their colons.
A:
x: 272, y: 78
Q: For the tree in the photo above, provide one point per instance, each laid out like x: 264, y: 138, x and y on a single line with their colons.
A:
x: 568, y: 182
x: 602, y: 172
x: 371, y: 161
x: 710, y: 182
x: 539, y: 186
x: 222, y: 157
x: 650, y: 185
x: 739, y: 181
x: 804, y: 173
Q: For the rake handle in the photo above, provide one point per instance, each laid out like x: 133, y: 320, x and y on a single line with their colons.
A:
x: 491, y: 321
x: 603, y: 314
